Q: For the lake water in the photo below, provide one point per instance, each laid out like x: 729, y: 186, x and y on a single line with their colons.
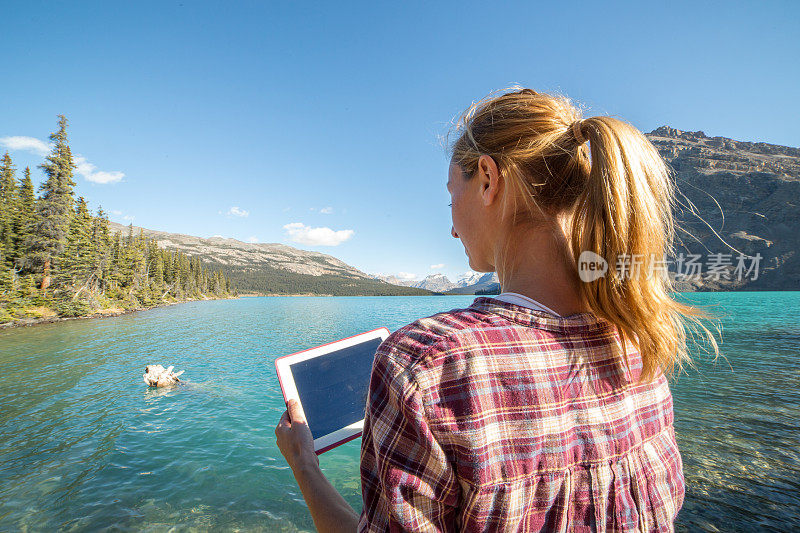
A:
x: 85, y: 445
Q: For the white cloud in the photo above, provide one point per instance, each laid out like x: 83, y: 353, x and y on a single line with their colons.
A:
x: 437, y: 266
x: 82, y: 166
x: 252, y: 239
x: 408, y: 276
x: 285, y: 209
x: 303, y: 234
x: 326, y: 210
x: 28, y: 144
x: 238, y: 212
x: 116, y: 213
x: 90, y: 172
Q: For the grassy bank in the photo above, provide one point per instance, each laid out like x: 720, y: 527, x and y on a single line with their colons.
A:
x: 47, y: 312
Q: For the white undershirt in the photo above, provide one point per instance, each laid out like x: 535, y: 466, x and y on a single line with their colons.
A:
x: 522, y: 300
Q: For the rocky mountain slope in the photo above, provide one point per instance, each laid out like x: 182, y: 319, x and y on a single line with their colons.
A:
x: 745, y: 194
x: 270, y: 268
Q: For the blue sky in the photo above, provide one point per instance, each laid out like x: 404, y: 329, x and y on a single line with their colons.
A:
x: 305, y: 123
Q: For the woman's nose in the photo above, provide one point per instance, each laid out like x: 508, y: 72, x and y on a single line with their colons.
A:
x: 453, y: 232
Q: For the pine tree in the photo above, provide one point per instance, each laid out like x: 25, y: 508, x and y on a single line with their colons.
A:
x: 26, y: 211
x: 8, y: 211
x: 138, y: 260
x: 79, y: 263
x: 101, y: 239
x: 183, y: 275
x: 218, y: 283
x: 116, y: 275
x: 158, y: 271
x: 124, y: 260
x: 54, y: 208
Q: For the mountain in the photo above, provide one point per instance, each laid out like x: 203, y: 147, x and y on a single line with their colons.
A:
x: 394, y: 280
x: 268, y: 268
x: 435, y: 283
x: 748, y: 195
x: 477, y: 281
x: 466, y: 284
x: 470, y: 278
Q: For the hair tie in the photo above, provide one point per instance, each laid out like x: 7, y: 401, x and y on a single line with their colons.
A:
x: 576, y: 130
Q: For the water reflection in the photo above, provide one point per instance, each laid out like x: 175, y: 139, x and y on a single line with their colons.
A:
x: 160, y: 392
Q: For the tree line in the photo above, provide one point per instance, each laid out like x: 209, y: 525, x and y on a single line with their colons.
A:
x: 55, y: 254
x: 270, y: 280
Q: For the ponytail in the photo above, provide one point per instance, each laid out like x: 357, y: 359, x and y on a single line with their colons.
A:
x: 619, y: 195
x: 625, y: 216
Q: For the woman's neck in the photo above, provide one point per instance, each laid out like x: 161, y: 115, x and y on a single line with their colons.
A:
x: 537, y: 266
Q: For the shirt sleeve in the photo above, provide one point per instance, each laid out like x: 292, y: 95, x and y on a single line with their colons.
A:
x: 407, y: 481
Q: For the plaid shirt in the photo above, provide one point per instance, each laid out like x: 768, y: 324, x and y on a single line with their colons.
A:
x: 502, y: 418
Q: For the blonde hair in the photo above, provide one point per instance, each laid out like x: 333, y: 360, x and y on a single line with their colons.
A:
x: 617, y: 194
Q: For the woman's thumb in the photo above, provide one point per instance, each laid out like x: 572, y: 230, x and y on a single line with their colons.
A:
x: 295, y: 411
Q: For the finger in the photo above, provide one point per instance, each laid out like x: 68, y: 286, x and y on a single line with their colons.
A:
x: 283, y: 424
x: 295, y: 412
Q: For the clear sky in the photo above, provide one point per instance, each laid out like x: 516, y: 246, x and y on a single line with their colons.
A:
x: 307, y: 123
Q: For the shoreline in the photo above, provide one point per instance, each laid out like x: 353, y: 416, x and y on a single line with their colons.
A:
x: 117, y: 311
x: 102, y: 313
x: 307, y: 295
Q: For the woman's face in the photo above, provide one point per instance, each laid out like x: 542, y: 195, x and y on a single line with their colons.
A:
x: 467, y: 211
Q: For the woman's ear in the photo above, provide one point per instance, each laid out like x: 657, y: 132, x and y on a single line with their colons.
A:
x: 489, y: 176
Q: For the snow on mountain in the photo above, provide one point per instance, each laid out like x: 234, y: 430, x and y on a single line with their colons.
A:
x: 435, y: 283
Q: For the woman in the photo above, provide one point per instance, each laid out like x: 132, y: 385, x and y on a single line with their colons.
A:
x: 547, y: 407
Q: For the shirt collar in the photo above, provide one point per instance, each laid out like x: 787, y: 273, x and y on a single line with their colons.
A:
x: 541, y: 319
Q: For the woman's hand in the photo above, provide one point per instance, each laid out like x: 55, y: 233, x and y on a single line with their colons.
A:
x: 330, y: 512
x: 294, y: 438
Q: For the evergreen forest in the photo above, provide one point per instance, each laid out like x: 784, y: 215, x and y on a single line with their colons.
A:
x: 59, y: 259
x: 267, y: 279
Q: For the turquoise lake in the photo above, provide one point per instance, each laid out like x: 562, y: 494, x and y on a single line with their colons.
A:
x: 85, y: 445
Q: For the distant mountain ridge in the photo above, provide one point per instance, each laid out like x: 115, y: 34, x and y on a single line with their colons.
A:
x: 433, y: 282
x: 467, y: 284
x: 235, y: 253
x: 271, y: 268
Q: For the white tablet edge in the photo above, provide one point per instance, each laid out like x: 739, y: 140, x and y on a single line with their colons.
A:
x: 289, y: 389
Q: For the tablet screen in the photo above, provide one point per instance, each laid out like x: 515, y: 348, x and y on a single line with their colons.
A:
x: 334, y: 388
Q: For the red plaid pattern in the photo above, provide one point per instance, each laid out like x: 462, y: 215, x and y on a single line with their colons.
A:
x: 502, y: 418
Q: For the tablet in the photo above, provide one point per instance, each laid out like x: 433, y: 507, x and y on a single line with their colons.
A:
x: 331, y: 383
